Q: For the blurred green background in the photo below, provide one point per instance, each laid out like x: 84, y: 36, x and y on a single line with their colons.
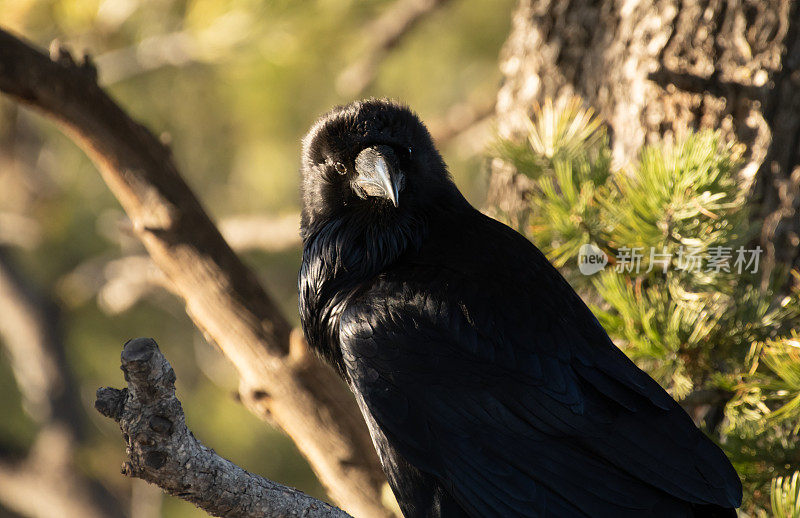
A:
x: 233, y: 85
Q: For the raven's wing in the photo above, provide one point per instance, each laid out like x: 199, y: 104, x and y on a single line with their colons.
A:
x: 518, y: 402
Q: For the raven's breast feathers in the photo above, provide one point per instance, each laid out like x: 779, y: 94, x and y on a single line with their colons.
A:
x: 338, y: 257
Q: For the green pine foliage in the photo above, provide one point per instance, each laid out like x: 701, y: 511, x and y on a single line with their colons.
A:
x: 786, y: 496
x: 682, y: 293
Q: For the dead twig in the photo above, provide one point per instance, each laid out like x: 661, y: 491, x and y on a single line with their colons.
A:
x: 162, y: 450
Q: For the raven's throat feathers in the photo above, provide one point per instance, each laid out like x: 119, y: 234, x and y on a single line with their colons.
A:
x: 339, y: 256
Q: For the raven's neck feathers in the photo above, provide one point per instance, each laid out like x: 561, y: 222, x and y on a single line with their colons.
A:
x: 340, y: 256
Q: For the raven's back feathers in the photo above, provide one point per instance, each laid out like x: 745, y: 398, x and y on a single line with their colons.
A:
x: 518, y: 405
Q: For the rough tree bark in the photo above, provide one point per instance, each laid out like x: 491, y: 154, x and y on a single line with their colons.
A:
x: 657, y: 68
x: 280, y: 380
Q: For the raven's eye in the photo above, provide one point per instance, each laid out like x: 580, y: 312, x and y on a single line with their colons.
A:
x: 340, y: 168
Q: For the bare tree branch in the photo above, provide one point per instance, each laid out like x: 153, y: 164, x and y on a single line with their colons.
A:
x: 459, y: 119
x: 19, y: 230
x: 121, y: 282
x: 269, y: 234
x: 384, y: 33
x: 126, y: 280
x: 223, y: 296
x: 30, y: 327
x: 175, y: 49
x: 46, y: 482
x: 162, y: 451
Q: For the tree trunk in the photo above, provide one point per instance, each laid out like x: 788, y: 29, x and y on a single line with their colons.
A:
x: 655, y: 69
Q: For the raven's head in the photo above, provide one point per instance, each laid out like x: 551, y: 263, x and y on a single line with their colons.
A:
x: 373, y: 159
x: 372, y: 179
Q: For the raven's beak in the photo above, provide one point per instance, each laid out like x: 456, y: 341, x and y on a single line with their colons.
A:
x: 378, y: 174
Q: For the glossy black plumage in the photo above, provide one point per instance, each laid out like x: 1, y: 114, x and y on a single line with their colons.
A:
x: 488, y: 386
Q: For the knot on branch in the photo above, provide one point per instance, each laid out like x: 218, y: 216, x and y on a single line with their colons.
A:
x: 60, y: 54
x: 110, y: 402
x: 147, y: 411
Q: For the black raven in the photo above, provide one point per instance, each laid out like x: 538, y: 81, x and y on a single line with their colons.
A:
x: 488, y: 386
